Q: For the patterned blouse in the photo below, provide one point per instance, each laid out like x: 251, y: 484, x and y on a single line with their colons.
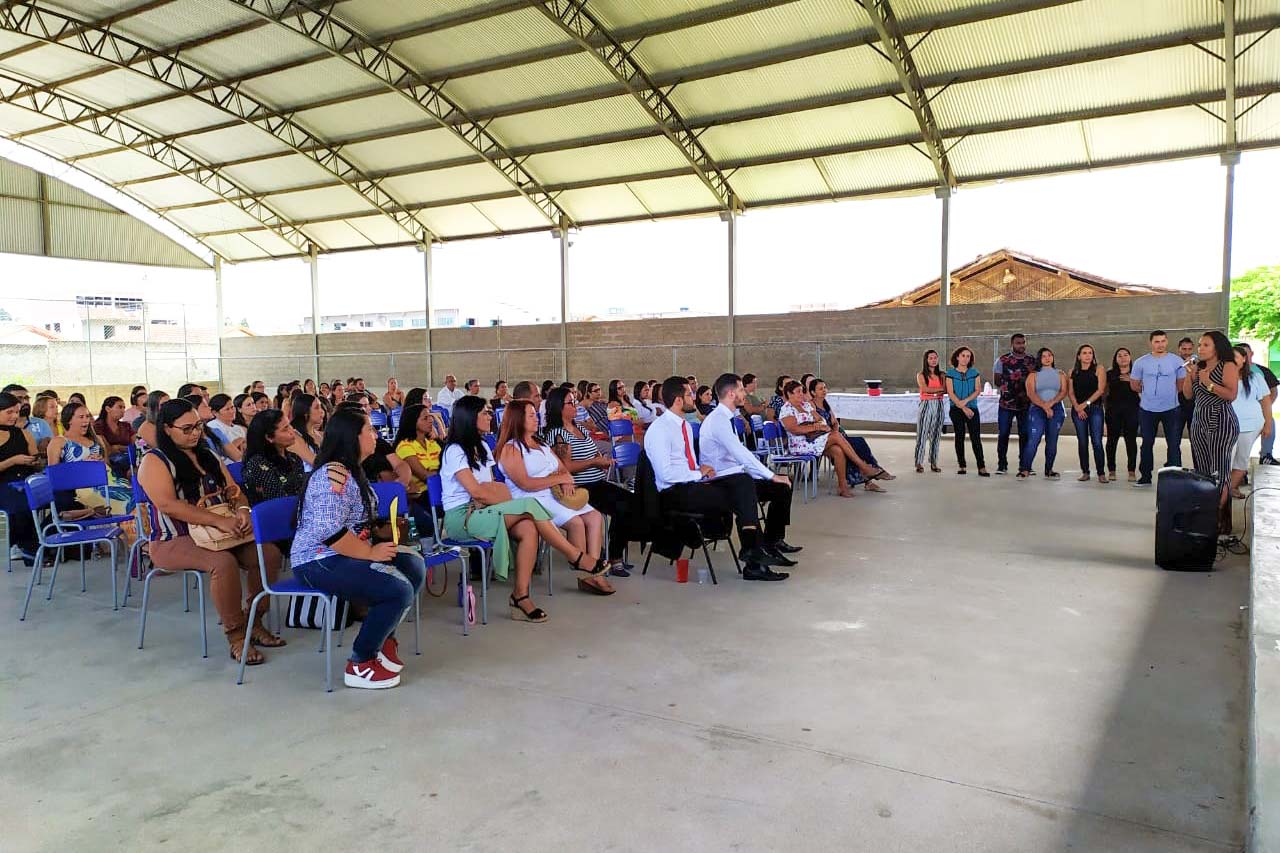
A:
x: 333, y: 508
x: 800, y: 443
x: 267, y: 477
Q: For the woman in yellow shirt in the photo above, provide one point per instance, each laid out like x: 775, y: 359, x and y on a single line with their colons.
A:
x: 418, y: 444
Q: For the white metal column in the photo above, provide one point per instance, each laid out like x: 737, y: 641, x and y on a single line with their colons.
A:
x: 944, y: 275
x: 218, y: 316
x: 313, y: 260
x: 562, y: 234
x: 1231, y: 157
x: 731, y: 218
x: 426, y: 308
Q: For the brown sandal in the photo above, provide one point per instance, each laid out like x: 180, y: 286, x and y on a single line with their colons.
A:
x: 262, y: 637
x: 236, y: 643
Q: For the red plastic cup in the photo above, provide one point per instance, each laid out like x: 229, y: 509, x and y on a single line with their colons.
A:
x: 682, y: 571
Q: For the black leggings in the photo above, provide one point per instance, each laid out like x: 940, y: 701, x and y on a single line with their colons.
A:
x: 616, y: 502
x: 960, y: 423
x: 1122, y: 421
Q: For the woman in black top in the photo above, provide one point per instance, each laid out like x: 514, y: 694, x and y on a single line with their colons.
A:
x: 18, y: 460
x: 270, y: 470
x: 1085, y: 391
x: 703, y: 401
x: 1121, y: 413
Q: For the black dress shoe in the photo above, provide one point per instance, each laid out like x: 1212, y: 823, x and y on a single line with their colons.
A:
x: 784, y: 548
x: 763, y: 557
x: 781, y: 559
x: 754, y: 572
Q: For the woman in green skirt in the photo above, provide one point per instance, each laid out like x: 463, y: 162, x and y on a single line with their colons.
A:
x: 476, y: 507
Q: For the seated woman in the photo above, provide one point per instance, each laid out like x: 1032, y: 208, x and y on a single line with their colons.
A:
x: 144, y: 431
x: 261, y: 402
x: 79, y: 443
x: 394, y: 397
x: 581, y: 457
x: 778, y: 400
x: 137, y: 404
x: 417, y: 397
x: 43, y: 423
x: 854, y: 476
x: 308, y: 422
x: 418, y: 443
x: 809, y: 434
x: 532, y: 470
x: 270, y: 469
x: 18, y: 460
x: 179, y: 474
x: 228, y: 436
x: 478, y: 508
x: 646, y: 411
x: 246, y: 408
x: 702, y: 401
x: 334, y: 550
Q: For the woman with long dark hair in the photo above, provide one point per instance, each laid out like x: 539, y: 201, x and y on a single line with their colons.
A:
x: 1252, y: 416
x: 932, y: 385
x: 245, y: 408
x: 270, y: 469
x: 964, y: 384
x: 18, y: 460
x: 417, y: 442
x: 334, y: 550
x: 416, y: 397
x: 807, y: 433
x: 1121, y: 414
x: 111, y: 427
x: 476, y: 507
x: 137, y: 405
x: 1086, y: 389
x: 145, y: 432
x: 180, y: 474
x: 1214, y: 380
x: 307, y: 418
x: 226, y: 435
x: 853, y: 474
x: 581, y: 457
x: 778, y: 400
x: 642, y: 394
x: 1046, y: 388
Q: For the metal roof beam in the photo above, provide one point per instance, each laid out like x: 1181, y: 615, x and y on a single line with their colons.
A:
x: 898, y: 53
x: 27, y: 18
x: 317, y: 22
x: 69, y: 111
x: 585, y: 29
x: 749, y: 62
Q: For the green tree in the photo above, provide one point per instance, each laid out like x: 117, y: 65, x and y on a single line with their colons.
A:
x: 1255, y: 304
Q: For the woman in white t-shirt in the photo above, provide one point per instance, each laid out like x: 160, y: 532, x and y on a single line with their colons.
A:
x: 476, y: 507
x: 228, y: 436
x: 1250, y: 406
x: 642, y: 394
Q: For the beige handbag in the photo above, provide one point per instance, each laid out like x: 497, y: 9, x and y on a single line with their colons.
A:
x: 211, y: 538
x: 570, y: 496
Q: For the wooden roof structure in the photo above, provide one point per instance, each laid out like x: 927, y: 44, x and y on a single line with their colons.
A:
x: 1007, y: 275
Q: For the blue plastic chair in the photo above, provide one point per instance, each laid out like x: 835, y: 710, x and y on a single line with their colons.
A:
x: 621, y: 428
x: 443, y: 413
x: 236, y: 470
x: 394, y: 418
x: 435, y: 498
x: 273, y: 522
x: 804, y: 465
x: 140, y: 502
x: 69, y: 476
x: 625, y: 455
x: 497, y: 417
x: 59, y: 535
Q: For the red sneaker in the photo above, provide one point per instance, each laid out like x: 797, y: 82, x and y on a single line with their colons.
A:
x: 389, y: 656
x: 370, y: 675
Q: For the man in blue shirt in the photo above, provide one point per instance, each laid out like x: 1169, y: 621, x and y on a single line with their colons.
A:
x: 1155, y: 377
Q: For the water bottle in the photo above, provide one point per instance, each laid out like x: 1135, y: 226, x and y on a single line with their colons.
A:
x: 413, y: 530
x: 704, y: 575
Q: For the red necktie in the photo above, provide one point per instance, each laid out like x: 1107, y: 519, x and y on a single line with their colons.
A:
x: 688, y: 448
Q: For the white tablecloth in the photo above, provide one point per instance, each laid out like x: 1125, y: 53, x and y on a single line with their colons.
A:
x: 896, y: 408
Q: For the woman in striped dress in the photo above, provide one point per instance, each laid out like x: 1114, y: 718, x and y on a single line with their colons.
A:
x: 933, y: 393
x: 1214, y: 428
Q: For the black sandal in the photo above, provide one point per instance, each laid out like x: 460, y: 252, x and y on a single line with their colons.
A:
x: 601, y: 566
x: 882, y: 474
x: 537, y: 614
x: 592, y: 588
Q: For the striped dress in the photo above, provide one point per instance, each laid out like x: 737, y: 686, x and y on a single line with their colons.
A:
x: 579, y: 449
x: 1214, y: 430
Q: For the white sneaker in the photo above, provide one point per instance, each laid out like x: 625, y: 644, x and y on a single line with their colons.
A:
x: 369, y: 675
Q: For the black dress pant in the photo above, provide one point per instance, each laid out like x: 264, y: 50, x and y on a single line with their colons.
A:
x: 619, y: 504
x: 777, y: 513
x: 735, y: 493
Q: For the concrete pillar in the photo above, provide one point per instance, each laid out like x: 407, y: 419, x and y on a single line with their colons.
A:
x: 1229, y: 160
x: 313, y: 261
x: 426, y: 308
x: 218, y: 314
x: 731, y: 219
x: 1231, y: 156
x: 944, y: 275
x: 562, y: 234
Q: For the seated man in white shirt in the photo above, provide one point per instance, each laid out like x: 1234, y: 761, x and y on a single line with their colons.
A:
x: 720, y: 448
x: 450, y: 393
x: 686, y: 486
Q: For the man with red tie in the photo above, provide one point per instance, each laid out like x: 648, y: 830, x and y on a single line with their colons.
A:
x: 685, y: 485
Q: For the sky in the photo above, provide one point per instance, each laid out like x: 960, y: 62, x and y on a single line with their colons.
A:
x: 1157, y: 224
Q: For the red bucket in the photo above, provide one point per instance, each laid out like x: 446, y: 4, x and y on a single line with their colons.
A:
x: 873, y: 387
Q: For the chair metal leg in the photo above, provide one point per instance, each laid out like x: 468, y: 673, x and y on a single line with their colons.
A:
x: 464, y: 576
x: 329, y: 605
x: 707, y: 556
x: 53, y: 576
x: 484, y: 587
x: 204, y: 628
x: 548, y: 570
x: 31, y: 583
x: 342, y: 622
x: 115, y: 602
x: 8, y: 545
x: 648, y: 555
x: 135, y: 553
x: 186, y: 596
x: 83, y: 585
x: 248, y: 633
x: 146, y: 599
x: 417, y: 617
x: 324, y: 629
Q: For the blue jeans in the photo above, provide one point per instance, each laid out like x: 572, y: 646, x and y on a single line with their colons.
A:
x: 1269, y: 444
x: 1039, y: 426
x: 388, y: 589
x: 1089, y: 431
x: 1005, y: 420
x: 1171, y: 420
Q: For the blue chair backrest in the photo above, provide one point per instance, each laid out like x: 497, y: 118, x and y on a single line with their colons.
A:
x: 273, y: 519
x: 695, y: 428
x: 68, y: 476
x: 377, y: 419
x: 621, y: 428
x: 626, y: 454
x: 139, y: 493
x: 133, y: 456
x: 435, y: 494
x: 771, y: 431
x: 395, y: 418
x: 387, y: 492
x: 740, y: 427
x: 757, y: 423
x: 442, y: 412
x: 236, y: 470
x: 39, y: 492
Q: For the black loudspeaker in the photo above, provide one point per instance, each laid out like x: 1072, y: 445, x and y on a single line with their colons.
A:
x: 1186, y: 521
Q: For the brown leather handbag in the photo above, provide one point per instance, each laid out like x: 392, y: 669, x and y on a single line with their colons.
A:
x: 211, y: 538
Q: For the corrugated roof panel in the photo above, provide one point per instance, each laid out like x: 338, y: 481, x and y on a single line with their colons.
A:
x: 458, y: 182
x: 602, y: 116
x: 825, y: 128
x: 1262, y: 122
x: 298, y: 85
x: 421, y: 148
x: 1150, y: 133
x: 755, y: 33
x: 272, y: 244
x: 600, y: 161
x: 455, y: 220
x: 1018, y: 150
x: 47, y: 62
x: 327, y: 201
x: 782, y: 180
x: 124, y: 166
x: 179, y: 21
x: 233, y: 143
x: 1248, y: 10
x: 337, y: 235
x: 68, y: 142
x: 18, y: 180
x: 59, y: 192
x: 78, y: 233
x: 529, y: 83
x: 217, y: 217
x: 233, y: 247
x: 279, y: 173
x: 1261, y: 62
x: 625, y: 13
x: 513, y: 214
x: 502, y: 35
x: 261, y: 47
x: 171, y: 191
x: 362, y: 116
x: 868, y: 171
x: 1059, y: 29
x: 178, y: 115
x: 1124, y: 80
x: 118, y: 87
x: 15, y: 119
x: 376, y: 229
x: 817, y: 76
x: 20, y: 227
x: 380, y: 16
x: 593, y: 203
x: 669, y: 195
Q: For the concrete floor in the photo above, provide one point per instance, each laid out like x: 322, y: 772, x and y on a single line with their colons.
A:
x: 959, y: 665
